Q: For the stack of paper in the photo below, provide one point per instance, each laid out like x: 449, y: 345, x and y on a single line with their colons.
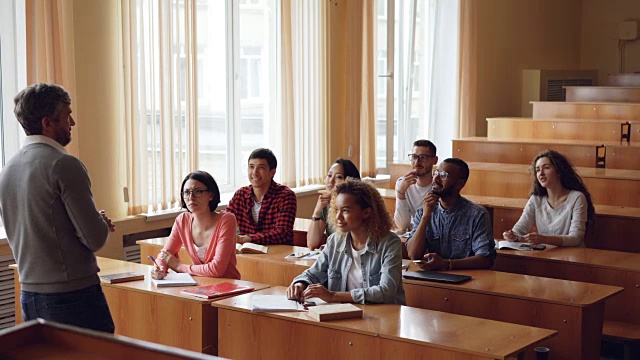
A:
x: 175, y: 279
x: 274, y: 303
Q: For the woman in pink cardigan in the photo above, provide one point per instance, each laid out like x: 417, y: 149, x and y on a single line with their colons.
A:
x: 208, y: 236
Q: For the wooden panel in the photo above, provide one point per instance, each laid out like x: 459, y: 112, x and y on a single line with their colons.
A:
x: 564, y: 110
x: 504, y: 219
x: 624, y: 156
x: 48, y: 340
x: 243, y: 336
x: 407, y: 326
x: 272, y: 273
x: 584, y: 265
x: 503, y: 184
x: 614, y: 233
x: 515, y: 183
x: 166, y: 318
x: 16, y: 296
x: 396, y: 171
x: 631, y: 79
x: 559, y: 129
x: 602, y: 94
x: 523, y: 152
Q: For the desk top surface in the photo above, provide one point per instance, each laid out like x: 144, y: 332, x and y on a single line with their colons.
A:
x: 111, y: 266
x: 424, y: 327
x: 616, y: 260
x: 526, y: 287
x: 565, y: 292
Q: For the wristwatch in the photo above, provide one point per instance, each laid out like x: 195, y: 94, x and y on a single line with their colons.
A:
x: 315, y: 218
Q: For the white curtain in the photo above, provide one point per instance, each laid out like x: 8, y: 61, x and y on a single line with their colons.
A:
x: 427, y: 68
x: 303, y: 85
x: 160, y: 116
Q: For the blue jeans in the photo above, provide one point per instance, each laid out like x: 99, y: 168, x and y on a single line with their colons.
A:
x: 85, y: 308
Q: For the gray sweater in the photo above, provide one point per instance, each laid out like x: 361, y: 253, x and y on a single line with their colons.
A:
x: 50, y: 218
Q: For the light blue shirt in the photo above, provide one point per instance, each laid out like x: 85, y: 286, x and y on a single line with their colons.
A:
x: 464, y: 230
x: 381, y: 265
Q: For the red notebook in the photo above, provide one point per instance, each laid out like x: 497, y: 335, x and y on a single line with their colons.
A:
x: 216, y: 290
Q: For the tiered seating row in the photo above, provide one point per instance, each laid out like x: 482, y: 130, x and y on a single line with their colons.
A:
x: 514, y: 181
x: 616, y: 94
x: 585, y: 110
x: 521, y: 151
x: 562, y: 129
x: 624, y: 79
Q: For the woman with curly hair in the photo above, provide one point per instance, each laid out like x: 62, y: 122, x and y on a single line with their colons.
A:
x: 362, y: 262
x: 560, y: 205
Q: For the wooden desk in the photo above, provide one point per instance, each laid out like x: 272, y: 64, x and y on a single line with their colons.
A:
x: 270, y: 268
x: 39, y: 339
x: 385, y: 332
x: 161, y: 315
x: 491, y: 295
x: 574, y: 309
x: 593, y: 265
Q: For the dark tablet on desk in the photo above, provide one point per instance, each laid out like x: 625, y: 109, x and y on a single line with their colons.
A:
x: 436, y: 276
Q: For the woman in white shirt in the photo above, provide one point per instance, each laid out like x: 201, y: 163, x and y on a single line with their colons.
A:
x: 560, y: 205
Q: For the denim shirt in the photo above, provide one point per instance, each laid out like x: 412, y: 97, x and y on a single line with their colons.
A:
x: 464, y: 230
x: 381, y: 269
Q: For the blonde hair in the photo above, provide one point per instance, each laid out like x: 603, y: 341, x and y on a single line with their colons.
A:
x: 367, y: 197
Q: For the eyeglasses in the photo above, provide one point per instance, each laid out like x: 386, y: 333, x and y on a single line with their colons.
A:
x: 443, y: 174
x: 196, y: 193
x: 421, y: 157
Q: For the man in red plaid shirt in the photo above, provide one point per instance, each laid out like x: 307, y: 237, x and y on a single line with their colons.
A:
x: 265, y: 210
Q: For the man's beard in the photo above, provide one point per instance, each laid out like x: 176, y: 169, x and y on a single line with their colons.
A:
x: 63, y: 138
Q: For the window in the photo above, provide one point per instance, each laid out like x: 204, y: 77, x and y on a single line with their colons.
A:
x: 12, y: 74
x: 417, y: 85
x: 235, y: 70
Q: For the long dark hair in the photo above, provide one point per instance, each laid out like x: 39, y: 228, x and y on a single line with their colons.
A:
x: 568, y: 178
x: 349, y: 168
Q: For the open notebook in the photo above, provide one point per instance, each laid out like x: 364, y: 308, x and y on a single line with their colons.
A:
x: 175, y: 279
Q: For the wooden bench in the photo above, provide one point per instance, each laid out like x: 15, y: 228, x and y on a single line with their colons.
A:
x: 560, y: 129
x: 613, y: 187
x: 618, y: 94
x: 585, y: 110
x: 582, y: 153
x: 622, y: 313
x: 629, y: 79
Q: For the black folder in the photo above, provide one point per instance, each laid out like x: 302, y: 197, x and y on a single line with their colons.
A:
x: 436, y: 276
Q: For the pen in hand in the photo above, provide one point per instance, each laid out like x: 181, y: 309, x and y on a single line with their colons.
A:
x: 155, y: 262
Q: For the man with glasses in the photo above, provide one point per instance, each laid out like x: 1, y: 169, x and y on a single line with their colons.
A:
x: 52, y: 224
x: 265, y: 210
x: 451, y: 232
x: 414, y: 186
